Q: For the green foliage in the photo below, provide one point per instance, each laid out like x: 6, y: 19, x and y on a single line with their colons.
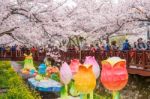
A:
x: 97, y: 96
x: 55, y: 76
x: 16, y: 87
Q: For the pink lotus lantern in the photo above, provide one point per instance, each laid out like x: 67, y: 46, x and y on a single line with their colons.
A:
x: 92, y: 61
x: 74, y: 65
x: 65, y: 73
x: 65, y: 77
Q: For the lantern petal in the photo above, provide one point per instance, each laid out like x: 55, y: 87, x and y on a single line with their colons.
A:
x: 65, y: 73
x: 121, y: 63
x: 92, y: 61
x: 113, y: 60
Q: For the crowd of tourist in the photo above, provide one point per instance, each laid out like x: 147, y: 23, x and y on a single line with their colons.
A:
x: 139, y: 45
x: 20, y: 49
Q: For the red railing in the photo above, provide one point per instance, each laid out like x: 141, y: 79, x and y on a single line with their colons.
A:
x: 133, y: 58
x: 19, y: 56
x: 136, y: 60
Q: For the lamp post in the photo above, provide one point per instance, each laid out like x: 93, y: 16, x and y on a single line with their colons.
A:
x: 148, y: 31
x: 147, y: 24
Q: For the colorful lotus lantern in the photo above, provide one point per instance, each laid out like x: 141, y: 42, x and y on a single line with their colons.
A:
x: 28, y: 62
x: 65, y: 77
x: 114, y: 75
x: 74, y: 65
x: 53, y: 69
x: 92, y: 61
x: 85, y: 80
x: 53, y: 73
x: 28, y: 65
x: 42, y: 69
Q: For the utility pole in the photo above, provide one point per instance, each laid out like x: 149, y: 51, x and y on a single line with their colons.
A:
x: 148, y: 31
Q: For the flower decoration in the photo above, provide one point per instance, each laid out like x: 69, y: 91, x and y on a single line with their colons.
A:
x: 74, y: 65
x: 92, y: 61
x: 65, y: 73
x: 85, y: 80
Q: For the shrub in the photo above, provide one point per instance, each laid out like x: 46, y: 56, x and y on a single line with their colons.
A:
x: 17, y: 89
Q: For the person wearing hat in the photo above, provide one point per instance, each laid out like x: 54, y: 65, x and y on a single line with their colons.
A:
x: 141, y: 45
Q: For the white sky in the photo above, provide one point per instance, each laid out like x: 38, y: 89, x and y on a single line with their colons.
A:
x: 115, y: 1
x: 69, y: 3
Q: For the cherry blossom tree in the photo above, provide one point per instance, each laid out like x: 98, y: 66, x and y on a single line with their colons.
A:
x: 56, y: 22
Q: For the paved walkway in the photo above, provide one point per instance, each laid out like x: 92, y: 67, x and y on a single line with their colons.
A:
x: 17, y: 67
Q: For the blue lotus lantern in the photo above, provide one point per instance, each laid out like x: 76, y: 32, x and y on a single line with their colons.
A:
x: 42, y: 69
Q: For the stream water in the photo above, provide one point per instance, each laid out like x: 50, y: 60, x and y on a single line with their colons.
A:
x: 138, y: 87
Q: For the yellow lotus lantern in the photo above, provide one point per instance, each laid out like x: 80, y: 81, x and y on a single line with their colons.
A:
x: 85, y: 80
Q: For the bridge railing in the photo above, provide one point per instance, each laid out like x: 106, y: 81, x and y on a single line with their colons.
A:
x: 19, y: 55
x: 135, y: 59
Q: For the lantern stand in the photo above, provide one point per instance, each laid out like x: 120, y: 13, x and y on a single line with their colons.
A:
x: 115, y: 95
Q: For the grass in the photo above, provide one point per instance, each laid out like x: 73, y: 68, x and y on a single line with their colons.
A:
x: 16, y: 87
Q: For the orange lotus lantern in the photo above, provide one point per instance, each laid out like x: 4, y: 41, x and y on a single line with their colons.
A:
x: 85, y: 80
x: 114, y: 75
x: 74, y: 65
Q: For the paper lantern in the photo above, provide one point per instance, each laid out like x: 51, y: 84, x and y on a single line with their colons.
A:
x: 42, y: 69
x: 32, y: 71
x: 114, y: 74
x: 85, y: 80
x: 28, y: 62
x: 74, y: 65
x: 38, y: 77
x: 92, y: 61
x: 65, y: 73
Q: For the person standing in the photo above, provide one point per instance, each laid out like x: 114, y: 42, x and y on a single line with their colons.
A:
x: 107, y: 47
x: 18, y: 50
x: 114, y: 46
x: 33, y: 50
x: 148, y: 45
x: 126, y: 46
x: 141, y: 45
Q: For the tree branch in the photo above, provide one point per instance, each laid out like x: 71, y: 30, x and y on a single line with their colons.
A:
x: 8, y: 32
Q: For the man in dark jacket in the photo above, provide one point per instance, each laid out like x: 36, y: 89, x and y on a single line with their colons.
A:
x: 126, y: 46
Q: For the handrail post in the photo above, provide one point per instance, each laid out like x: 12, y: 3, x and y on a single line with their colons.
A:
x: 127, y: 58
x: 143, y: 58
